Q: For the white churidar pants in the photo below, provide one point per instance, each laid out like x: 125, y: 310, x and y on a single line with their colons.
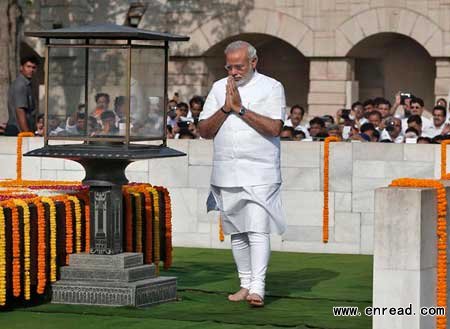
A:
x: 250, y: 214
x: 251, y: 252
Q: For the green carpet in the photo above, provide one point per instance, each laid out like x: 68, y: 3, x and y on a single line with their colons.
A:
x: 301, y: 291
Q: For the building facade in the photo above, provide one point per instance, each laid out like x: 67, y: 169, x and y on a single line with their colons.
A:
x: 327, y: 53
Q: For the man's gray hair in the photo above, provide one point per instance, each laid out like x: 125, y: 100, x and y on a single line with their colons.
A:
x: 235, y: 45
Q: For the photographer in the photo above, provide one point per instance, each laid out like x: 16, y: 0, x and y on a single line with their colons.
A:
x: 402, y: 105
x: 392, y: 131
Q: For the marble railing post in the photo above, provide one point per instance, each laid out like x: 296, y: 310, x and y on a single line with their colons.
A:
x: 405, y: 256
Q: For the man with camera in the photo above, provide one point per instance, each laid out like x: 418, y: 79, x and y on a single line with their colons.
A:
x: 244, y: 114
x: 392, y: 131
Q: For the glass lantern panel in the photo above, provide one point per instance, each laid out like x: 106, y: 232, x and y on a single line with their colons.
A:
x: 66, y: 81
x: 147, y: 93
x: 107, y: 92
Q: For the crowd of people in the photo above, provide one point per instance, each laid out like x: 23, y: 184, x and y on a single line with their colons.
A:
x: 374, y: 120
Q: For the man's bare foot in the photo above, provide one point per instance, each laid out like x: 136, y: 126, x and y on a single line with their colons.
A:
x: 255, y: 300
x: 238, y: 296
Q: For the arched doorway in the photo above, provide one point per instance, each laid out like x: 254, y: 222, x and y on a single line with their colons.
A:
x: 386, y: 63
x: 277, y: 59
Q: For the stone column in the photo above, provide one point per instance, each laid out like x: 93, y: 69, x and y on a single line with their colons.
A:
x: 331, y: 86
x: 405, y: 255
x: 188, y: 77
x: 442, y: 81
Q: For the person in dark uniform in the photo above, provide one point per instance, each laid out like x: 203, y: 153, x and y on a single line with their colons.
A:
x: 21, y: 103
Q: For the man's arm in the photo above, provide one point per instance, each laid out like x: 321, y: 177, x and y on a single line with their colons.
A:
x: 22, y: 119
x: 262, y: 124
x: 208, y: 128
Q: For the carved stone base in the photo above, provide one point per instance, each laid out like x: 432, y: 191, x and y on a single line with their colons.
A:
x: 114, y: 280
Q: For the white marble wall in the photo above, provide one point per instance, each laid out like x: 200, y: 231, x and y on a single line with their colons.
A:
x: 405, y: 256
x: 356, y: 170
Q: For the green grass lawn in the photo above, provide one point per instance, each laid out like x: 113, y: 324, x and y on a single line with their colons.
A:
x: 301, y: 291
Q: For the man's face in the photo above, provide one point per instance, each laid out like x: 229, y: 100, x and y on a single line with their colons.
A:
x: 40, y: 124
x: 375, y: 120
x: 182, y: 111
x: 315, y: 129
x: 334, y: 132
x: 438, y: 118
x: 103, y: 102
x: 367, y: 109
x: 196, y: 109
x: 53, y: 123
x: 172, y: 109
x: 296, y: 117
x: 108, y: 124
x: 28, y: 69
x: 416, y: 126
x: 286, y: 134
x: 80, y: 124
x: 397, y: 128
x: 416, y: 109
x: 407, y: 105
x: 384, y: 110
x: 359, y: 111
x: 239, y: 66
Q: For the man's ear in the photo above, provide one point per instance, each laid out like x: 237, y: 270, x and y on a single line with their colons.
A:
x: 253, y: 62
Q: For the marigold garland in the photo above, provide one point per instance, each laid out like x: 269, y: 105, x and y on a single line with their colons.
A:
x: 42, y: 248
x: 148, y: 227
x: 138, y: 233
x: 16, y: 195
x: 85, y: 197
x: 69, y: 225
x: 326, y: 163
x: 441, y: 232
x: 43, y: 184
x: 19, y: 153
x: 168, y: 222
x: 52, y: 211
x: 26, y: 245
x: 221, y: 235
x: 15, y: 247
x: 77, y: 208
x: 2, y: 258
x: 145, y: 190
x: 128, y: 221
x: 444, y: 174
x: 156, y: 229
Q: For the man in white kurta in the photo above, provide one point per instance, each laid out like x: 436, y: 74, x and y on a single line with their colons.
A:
x: 244, y: 115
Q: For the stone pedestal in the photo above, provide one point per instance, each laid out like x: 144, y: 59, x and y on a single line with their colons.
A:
x: 405, y: 256
x: 112, y: 280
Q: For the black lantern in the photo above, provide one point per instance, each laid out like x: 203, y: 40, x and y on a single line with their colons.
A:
x: 105, y: 90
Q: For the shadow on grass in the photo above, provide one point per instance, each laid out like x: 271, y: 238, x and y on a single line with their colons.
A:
x: 222, y: 278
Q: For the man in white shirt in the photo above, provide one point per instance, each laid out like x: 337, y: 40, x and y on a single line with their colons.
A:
x: 393, y: 131
x: 244, y: 115
x: 295, y: 120
x: 417, y: 107
x: 437, y: 128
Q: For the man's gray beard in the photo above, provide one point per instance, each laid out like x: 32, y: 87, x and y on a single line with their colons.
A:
x: 245, y: 79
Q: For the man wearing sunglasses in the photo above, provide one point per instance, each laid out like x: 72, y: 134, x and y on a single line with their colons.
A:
x: 417, y: 107
x: 244, y: 115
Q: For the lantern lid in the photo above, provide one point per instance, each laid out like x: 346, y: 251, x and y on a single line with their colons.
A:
x: 106, y: 31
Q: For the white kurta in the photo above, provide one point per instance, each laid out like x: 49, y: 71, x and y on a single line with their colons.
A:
x: 246, y: 176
